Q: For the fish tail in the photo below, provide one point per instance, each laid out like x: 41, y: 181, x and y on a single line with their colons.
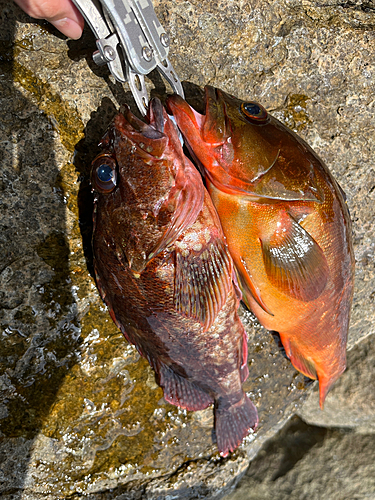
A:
x: 233, y: 422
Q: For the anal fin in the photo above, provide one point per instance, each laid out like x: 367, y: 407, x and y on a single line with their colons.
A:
x: 179, y: 391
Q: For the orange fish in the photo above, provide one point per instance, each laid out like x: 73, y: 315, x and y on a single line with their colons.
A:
x: 287, y: 227
x: 165, y: 272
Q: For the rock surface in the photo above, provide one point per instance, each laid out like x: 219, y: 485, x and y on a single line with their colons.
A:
x: 80, y: 413
x: 333, y: 459
x: 311, y: 463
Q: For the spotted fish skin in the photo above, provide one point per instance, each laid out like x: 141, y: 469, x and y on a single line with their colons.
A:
x: 287, y: 227
x: 164, y: 270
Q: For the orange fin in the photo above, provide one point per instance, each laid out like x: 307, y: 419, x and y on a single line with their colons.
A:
x: 307, y: 366
x: 248, y: 287
x: 202, y: 282
x: 181, y: 392
x: 187, y: 197
x: 294, y: 262
x: 302, y: 363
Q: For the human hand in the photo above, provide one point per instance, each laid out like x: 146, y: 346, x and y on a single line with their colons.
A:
x: 63, y: 14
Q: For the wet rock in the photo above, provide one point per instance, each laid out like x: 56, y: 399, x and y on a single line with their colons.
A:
x: 328, y: 451
x: 351, y: 403
x: 80, y: 413
x: 309, y: 463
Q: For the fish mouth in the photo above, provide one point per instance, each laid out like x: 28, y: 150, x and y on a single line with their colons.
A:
x: 153, y: 128
x: 217, y: 127
x: 212, y: 125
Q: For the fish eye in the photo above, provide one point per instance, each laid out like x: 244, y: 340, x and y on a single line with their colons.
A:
x: 104, y: 174
x: 254, y: 112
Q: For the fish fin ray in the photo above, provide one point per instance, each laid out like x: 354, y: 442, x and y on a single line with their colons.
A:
x: 248, y: 287
x: 300, y: 362
x: 202, y: 282
x: 179, y: 391
x: 326, y: 373
x: 244, y: 371
x: 233, y: 422
x: 294, y: 262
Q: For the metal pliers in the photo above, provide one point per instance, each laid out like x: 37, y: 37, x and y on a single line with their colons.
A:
x: 131, y: 41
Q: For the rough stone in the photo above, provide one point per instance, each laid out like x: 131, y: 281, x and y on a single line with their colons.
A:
x: 80, y: 413
x: 310, y: 463
x: 351, y: 403
x: 331, y: 459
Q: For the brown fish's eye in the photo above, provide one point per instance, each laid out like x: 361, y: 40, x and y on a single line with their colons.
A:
x: 104, y: 174
x: 254, y: 112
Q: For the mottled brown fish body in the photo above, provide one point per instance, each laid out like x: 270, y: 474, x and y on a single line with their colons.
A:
x: 287, y: 227
x: 165, y: 272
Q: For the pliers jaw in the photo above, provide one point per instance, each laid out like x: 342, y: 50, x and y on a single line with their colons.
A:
x: 131, y: 41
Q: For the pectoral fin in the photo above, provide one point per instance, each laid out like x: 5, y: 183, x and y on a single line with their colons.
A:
x: 293, y: 260
x: 202, y: 282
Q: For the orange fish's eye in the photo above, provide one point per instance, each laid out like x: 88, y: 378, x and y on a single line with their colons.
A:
x: 254, y: 112
x: 104, y: 174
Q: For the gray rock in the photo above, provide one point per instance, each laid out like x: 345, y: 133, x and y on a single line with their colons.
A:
x: 351, y: 403
x: 335, y: 457
x: 80, y: 413
x: 311, y: 463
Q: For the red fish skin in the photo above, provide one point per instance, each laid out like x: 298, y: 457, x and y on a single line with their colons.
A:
x: 170, y: 291
x: 287, y: 227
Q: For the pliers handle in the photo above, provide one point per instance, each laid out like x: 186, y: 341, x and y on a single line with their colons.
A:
x: 131, y: 41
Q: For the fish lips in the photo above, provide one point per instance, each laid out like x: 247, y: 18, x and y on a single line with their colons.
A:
x: 213, y: 126
x: 154, y: 129
x: 148, y: 137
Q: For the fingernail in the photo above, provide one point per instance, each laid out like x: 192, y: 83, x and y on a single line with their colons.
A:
x: 68, y: 27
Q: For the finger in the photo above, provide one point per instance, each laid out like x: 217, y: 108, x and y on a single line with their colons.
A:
x: 61, y: 13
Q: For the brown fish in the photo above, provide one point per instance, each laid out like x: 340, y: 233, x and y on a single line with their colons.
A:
x: 164, y: 270
x: 287, y: 226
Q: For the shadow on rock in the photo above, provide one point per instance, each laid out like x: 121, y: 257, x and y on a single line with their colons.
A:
x: 38, y: 320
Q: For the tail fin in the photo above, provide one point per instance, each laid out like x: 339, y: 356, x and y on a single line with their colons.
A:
x: 233, y: 422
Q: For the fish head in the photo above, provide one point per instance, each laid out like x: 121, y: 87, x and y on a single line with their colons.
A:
x: 131, y: 148
x: 131, y: 180
x: 243, y: 149
x: 137, y: 181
